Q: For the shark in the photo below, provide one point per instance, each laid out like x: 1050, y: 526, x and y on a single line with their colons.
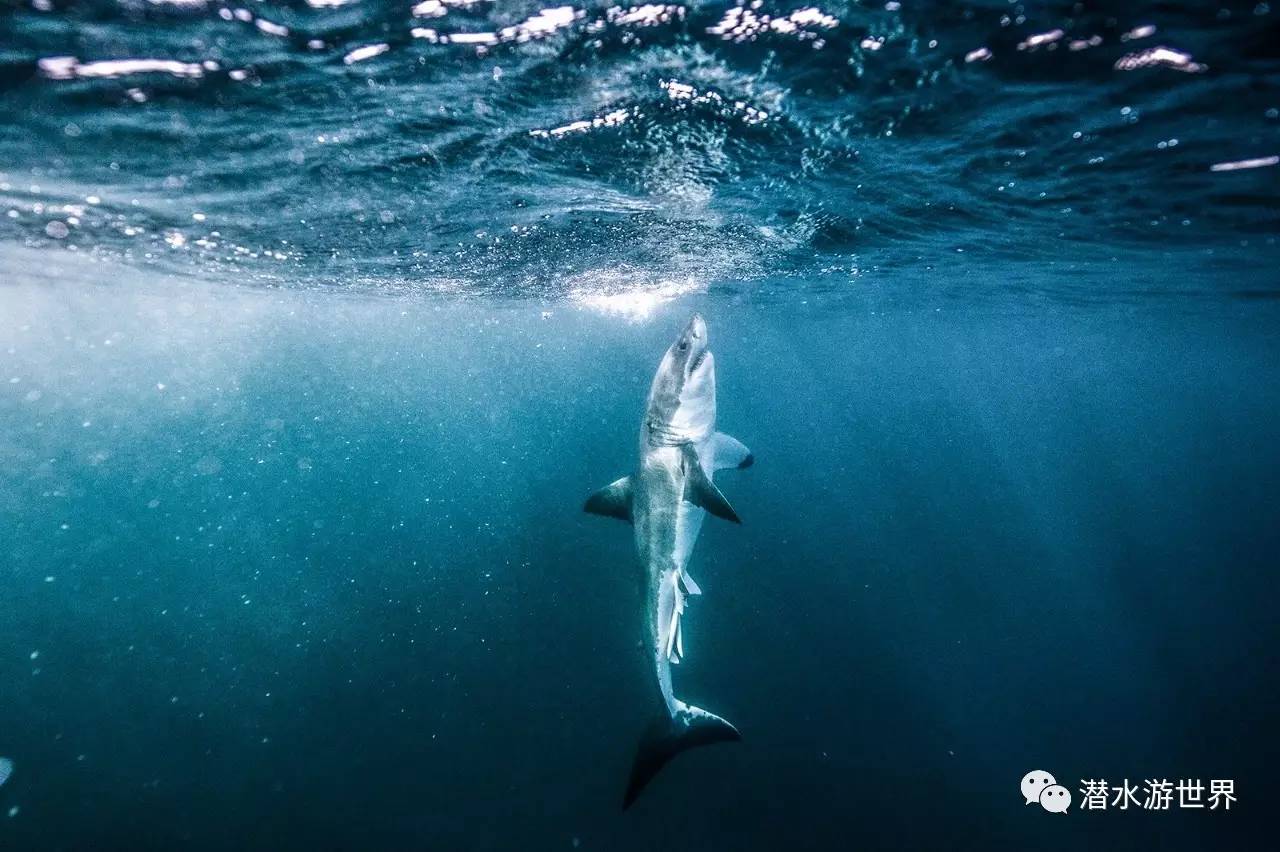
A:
x: 665, y: 500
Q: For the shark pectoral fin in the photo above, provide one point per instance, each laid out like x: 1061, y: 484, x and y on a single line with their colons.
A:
x: 721, y: 452
x: 689, y: 585
x: 701, y: 491
x: 613, y: 501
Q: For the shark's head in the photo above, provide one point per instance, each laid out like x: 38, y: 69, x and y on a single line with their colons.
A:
x: 682, y: 400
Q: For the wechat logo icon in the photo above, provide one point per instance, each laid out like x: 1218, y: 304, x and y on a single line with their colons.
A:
x: 1040, y: 786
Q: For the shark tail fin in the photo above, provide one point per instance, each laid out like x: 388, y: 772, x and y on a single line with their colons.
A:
x: 667, y: 737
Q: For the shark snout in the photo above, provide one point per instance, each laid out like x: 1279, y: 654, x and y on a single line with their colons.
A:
x: 697, y: 328
x: 691, y: 347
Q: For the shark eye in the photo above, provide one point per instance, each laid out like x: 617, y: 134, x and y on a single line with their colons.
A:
x: 684, y: 344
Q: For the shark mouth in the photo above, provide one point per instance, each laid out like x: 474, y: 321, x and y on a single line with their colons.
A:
x: 697, y: 361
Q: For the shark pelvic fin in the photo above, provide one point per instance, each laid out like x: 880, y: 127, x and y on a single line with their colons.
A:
x: 613, y: 501
x: 665, y: 738
x: 701, y: 491
x: 672, y: 644
x: 721, y: 452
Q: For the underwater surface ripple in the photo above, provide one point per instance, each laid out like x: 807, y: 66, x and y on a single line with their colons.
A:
x: 467, y: 146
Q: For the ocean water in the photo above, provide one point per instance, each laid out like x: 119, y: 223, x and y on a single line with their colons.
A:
x: 319, y: 320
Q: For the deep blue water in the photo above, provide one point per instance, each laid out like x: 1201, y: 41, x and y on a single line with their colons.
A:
x: 318, y: 322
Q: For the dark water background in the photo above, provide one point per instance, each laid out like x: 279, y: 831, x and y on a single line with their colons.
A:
x: 330, y: 587
x: 309, y: 355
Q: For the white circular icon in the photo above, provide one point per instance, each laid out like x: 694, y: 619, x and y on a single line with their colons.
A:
x: 1034, y: 782
x: 1055, y: 798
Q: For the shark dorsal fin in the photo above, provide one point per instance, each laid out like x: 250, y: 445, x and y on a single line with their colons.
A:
x: 612, y: 501
x: 701, y: 491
